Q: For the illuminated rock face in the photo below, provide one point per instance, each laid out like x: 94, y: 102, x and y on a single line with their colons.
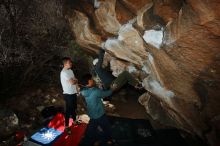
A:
x: 174, y: 47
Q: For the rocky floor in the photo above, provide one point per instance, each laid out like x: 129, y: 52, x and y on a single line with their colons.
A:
x: 28, y: 106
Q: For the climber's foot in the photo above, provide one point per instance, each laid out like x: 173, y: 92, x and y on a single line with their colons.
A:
x: 68, y: 130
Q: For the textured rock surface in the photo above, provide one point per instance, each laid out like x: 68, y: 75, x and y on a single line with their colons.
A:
x: 84, y: 35
x: 105, y: 17
x: 8, y: 121
x: 182, y: 73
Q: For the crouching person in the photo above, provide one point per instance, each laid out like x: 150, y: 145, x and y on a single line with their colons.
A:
x: 96, y: 112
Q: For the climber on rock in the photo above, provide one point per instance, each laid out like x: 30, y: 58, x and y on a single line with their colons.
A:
x: 96, y: 112
x: 108, y: 80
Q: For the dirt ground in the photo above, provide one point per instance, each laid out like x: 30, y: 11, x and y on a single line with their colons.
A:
x: 28, y: 106
x: 127, y: 106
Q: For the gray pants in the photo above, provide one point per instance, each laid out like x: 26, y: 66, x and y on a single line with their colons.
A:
x: 122, y: 79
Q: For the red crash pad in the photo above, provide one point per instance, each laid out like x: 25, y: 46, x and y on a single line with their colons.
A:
x: 67, y: 140
x: 58, y: 122
x: 73, y: 139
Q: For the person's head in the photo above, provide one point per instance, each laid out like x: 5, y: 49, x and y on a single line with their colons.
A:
x: 88, y: 80
x: 95, y: 61
x: 67, y: 62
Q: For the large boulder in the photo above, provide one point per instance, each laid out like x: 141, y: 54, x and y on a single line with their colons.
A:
x: 172, y: 46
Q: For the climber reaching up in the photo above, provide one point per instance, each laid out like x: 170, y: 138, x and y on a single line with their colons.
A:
x: 108, y: 80
x: 96, y: 112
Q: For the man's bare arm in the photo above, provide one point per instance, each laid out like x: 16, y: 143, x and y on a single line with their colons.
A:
x: 73, y: 81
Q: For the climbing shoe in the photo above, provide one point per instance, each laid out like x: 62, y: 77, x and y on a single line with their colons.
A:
x: 111, y: 143
x: 139, y: 87
x: 68, y: 130
x: 78, y: 122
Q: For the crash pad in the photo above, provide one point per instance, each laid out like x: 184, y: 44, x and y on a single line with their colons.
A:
x: 45, y: 136
x: 77, y: 131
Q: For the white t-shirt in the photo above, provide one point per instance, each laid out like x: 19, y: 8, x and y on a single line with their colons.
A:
x: 65, y: 76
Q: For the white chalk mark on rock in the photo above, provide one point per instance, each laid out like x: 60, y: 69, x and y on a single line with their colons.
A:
x: 154, y: 37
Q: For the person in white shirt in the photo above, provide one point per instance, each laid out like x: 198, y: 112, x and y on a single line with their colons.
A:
x: 69, y: 85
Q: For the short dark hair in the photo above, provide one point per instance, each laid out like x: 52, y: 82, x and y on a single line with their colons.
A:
x: 65, y: 59
x: 86, y: 78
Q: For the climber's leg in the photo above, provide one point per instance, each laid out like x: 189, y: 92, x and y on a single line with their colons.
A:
x: 122, y: 79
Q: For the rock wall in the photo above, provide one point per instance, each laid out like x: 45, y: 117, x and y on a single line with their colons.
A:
x: 172, y: 46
